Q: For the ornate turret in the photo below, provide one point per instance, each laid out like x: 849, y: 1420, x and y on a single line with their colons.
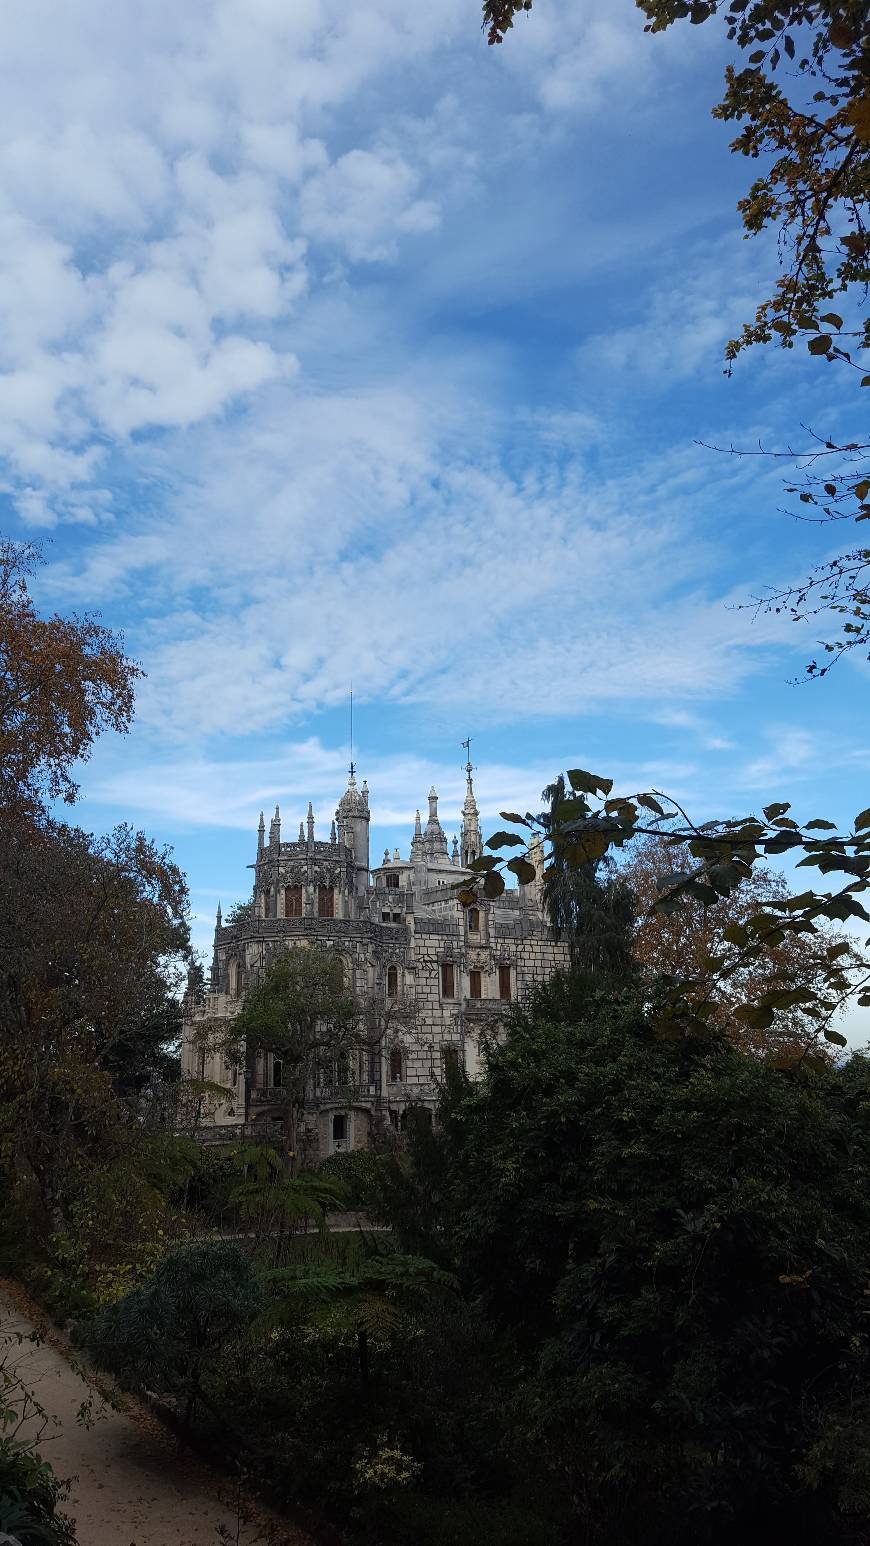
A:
x: 353, y: 820
x: 261, y: 836
x: 434, y: 839
x: 472, y: 837
x: 417, y: 842
x: 275, y: 830
x: 310, y: 824
x: 302, y: 832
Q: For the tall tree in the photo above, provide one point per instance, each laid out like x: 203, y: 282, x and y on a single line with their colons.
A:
x: 92, y: 936
x: 304, y: 1013
x: 686, y: 1318
x: 588, y: 904
x: 63, y: 681
x: 690, y: 940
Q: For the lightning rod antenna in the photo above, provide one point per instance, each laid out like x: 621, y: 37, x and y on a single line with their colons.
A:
x: 352, y: 769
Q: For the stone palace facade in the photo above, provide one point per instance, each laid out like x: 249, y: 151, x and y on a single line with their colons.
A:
x: 445, y: 974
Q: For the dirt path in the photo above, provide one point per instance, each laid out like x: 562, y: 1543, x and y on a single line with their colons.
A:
x: 128, y: 1489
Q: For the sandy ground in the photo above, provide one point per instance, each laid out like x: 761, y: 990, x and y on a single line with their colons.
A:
x: 128, y: 1489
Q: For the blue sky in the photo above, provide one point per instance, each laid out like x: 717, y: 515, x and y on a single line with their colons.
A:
x: 337, y: 346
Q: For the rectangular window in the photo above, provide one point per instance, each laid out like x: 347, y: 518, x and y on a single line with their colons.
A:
x: 292, y: 901
x: 325, y: 902
x: 450, y: 1056
x: 393, y: 882
x: 473, y: 916
x: 504, y: 982
x: 397, y: 917
x: 266, y: 904
x: 385, y: 917
x: 474, y: 985
x: 447, y: 980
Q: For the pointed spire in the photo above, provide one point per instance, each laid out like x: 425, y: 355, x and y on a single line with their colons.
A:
x: 261, y: 835
x: 472, y: 837
x: 302, y: 831
x: 386, y: 856
x: 275, y: 828
x: 436, y: 842
x: 454, y: 857
x: 219, y: 915
x: 310, y: 822
x: 417, y: 841
x: 365, y: 791
x: 332, y: 833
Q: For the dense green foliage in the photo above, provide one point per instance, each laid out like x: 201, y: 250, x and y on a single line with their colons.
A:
x: 162, y: 1335
x: 30, y: 1497
x: 623, y: 1300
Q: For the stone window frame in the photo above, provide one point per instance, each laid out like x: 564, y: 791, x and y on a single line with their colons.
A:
x: 444, y: 965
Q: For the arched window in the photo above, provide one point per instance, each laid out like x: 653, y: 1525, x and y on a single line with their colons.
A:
x: 395, y: 1065
x: 292, y: 901
x: 392, y: 982
x: 233, y: 979
x: 277, y: 1073
x: 325, y: 902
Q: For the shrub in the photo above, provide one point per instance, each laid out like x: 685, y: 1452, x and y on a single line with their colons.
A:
x: 358, y: 1170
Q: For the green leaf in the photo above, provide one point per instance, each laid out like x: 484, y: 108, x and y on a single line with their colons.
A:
x: 736, y: 934
x: 485, y: 862
x: 519, y: 821
x: 827, y: 826
x: 832, y: 319
x: 493, y: 885
x: 505, y: 840
x: 862, y: 820
x: 586, y: 848
x: 588, y: 783
x: 651, y: 803
x: 835, y: 1037
x: 771, y: 811
x: 524, y: 871
x: 862, y: 489
x: 821, y: 344
x: 754, y: 1016
x: 865, y: 381
x: 786, y: 998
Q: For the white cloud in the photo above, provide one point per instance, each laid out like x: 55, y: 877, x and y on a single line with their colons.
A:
x: 363, y: 203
